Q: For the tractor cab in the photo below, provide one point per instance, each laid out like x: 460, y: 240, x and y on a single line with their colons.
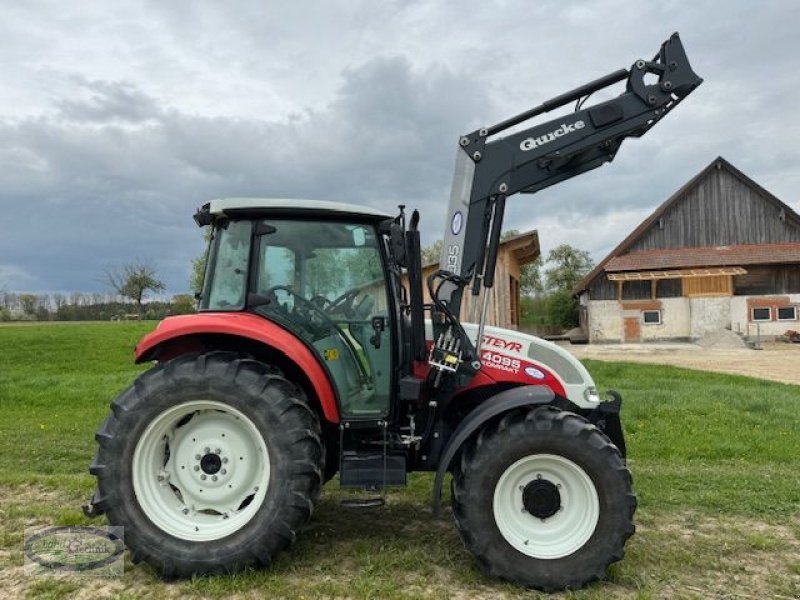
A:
x: 317, y: 270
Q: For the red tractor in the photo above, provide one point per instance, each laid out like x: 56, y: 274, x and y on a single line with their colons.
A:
x: 309, y: 357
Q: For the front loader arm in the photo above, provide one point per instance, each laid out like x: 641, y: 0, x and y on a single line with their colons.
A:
x: 488, y: 170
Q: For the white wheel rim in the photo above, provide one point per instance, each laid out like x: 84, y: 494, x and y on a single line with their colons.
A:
x: 555, y: 536
x: 180, y: 485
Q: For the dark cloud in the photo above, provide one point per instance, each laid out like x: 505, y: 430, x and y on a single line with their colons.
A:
x: 120, y: 122
x: 117, y: 176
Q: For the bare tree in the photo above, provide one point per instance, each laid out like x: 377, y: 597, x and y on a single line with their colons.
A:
x: 133, y: 280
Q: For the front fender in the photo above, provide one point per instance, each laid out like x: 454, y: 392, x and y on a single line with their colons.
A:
x: 528, y: 395
x: 250, y: 327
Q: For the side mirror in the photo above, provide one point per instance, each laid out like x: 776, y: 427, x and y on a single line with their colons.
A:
x: 397, y: 239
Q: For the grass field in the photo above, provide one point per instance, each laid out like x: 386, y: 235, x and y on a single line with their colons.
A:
x: 715, y: 461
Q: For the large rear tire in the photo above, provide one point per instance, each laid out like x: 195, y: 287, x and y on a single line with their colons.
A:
x: 211, y: 463
x: 542, y: 498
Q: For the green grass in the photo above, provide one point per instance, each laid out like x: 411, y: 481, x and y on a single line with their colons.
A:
x: 715, y: 460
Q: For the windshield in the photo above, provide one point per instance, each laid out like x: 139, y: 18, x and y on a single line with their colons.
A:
x: 225, y: 281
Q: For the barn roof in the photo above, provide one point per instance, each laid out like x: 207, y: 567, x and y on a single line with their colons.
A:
x: 618, y: 260
x: 716, y: 256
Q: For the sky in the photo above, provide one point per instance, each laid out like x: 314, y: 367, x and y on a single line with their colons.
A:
x: 118, y: 120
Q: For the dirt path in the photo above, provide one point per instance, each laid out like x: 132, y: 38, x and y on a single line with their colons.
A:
x: 776, y: 361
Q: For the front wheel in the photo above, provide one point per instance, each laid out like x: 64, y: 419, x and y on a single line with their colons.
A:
x: 542, y: 498
x: 211, y: 463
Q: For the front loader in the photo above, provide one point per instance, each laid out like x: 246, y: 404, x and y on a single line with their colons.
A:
x: 314, y: 353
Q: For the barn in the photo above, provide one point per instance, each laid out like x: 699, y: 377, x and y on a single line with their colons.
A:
x: 720, y: 253
x: 503, y: 307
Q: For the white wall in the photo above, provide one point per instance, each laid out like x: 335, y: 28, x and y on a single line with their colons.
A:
x: 709, y: 314
x: 740, y: 317
x: 605, y: 321
x: 675, y: 321
x: 686, y: 318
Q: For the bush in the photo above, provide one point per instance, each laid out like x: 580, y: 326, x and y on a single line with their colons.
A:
x: 183, y: 304
x: 562, y: 309
x: 533, y: 311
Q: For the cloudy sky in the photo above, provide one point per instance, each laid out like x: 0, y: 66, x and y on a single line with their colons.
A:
x: 118, y: 119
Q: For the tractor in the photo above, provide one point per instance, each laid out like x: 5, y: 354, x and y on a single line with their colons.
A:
x: 315, y: 353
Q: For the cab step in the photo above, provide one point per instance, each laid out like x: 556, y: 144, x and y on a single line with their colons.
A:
x: 372, y: 470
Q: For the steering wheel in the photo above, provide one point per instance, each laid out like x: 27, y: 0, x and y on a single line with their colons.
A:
x: 305, y: 302
x: 345, y: 303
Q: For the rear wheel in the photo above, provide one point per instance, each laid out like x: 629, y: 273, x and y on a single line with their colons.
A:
x: 542, y: 498
x: 211, y: 463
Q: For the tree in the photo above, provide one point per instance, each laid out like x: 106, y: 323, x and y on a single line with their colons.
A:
x: 569, y: 267
x: 134, y: 280
x: 28, y: 302
x: 432, y: 253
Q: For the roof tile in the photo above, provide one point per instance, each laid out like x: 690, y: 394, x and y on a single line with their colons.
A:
x: 716, y: 256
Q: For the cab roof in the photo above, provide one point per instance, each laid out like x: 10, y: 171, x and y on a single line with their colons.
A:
x: 287, y: 206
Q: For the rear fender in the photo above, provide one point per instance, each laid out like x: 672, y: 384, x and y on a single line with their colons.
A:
x: 527, y: 395
x: 203, y: 331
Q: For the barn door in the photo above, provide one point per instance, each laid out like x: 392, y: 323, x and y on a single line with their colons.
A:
x: 633, y: 329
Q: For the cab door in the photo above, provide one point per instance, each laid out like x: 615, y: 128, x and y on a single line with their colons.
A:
x: 326, y: 282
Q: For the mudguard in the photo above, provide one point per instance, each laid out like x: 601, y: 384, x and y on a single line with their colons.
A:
x: 528, y: 395
x: 244, y: 325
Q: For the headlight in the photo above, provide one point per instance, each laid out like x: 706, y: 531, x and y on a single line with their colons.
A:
x: 591, y: 395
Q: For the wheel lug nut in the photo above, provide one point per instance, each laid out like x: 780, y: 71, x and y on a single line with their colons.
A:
x: 223, y: 472
x: 186, y: 511
x: 217, y: 451
x: 203, y: 477
x: 197, y: 457
x: 213, y: 478
x: 224, y: 460
x: 208, y: 449
x: 196, y: 468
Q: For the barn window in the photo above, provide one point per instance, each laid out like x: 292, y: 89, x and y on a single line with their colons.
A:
x: 651, y: 317
x: 787, y: 313
x: 762, y: 314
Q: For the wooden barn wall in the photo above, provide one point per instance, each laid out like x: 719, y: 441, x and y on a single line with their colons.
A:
x: 603, y: 289
x: 781, y: 279
x: 720, y: 210
x: 499, y: 310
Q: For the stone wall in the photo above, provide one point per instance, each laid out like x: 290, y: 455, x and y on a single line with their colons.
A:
x: 709, y: 314
x: 604, y: 321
